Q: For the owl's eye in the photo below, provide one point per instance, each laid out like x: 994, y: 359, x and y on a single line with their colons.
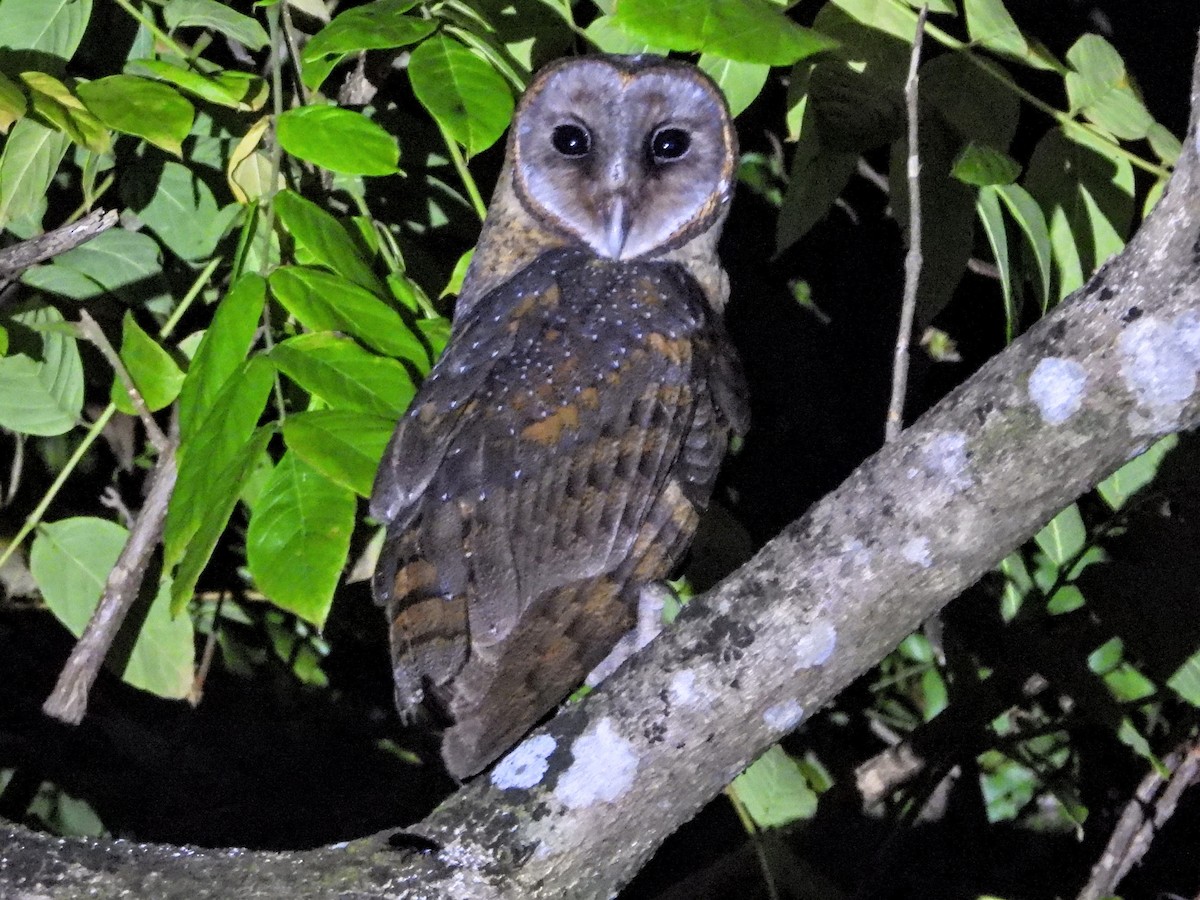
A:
x: 669, y: 144
x: 571, y: 140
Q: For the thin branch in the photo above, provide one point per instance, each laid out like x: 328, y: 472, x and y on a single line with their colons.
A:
x: 912, y: 261
x: 1152, y: 804
x: 91, y: 331
x: 16, y: 259
x: 68, y: 702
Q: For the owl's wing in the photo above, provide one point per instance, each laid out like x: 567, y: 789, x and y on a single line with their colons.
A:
x: 574, y: 432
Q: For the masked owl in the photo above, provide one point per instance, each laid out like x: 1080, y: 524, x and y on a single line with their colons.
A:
x: 551, y: 470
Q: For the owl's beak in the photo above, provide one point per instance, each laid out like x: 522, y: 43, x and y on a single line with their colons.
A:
x: 616, y: 225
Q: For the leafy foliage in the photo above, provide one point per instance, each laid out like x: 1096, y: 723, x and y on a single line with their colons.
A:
x: 278, y: 287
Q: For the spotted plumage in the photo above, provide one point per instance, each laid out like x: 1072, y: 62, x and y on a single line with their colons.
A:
x: 555, y: 462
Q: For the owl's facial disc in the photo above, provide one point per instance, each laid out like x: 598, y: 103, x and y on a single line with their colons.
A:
x: 628, y: 156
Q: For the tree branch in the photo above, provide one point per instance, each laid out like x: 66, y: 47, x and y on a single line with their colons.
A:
x: 1094, y: 383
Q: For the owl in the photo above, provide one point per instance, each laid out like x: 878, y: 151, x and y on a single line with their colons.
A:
x: 550, y: 472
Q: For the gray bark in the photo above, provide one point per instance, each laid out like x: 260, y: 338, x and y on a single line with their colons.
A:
x: 580, y: 805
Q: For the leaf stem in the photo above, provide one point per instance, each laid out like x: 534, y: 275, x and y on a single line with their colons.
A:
x: 35, y: 517
x: 464, y: 173
x: 149, y: 24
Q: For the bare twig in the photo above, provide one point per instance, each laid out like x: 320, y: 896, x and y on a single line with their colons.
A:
x: 16, y: 259
x: 69, y: 700
x: 196, y: 694
x: 91, y: 331
x: 1152, y: 804
x: 912, y: 261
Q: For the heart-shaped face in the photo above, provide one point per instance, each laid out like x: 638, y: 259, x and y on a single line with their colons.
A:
x: 629, y: 155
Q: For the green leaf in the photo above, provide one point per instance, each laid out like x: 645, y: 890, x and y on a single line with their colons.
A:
x: 1017, y: 585
x: 989, y: 25
x: 153, y: 371
x: 1186, y: 680
x: 119, y: 262
x: 235, y: 90
x: 339, y: 140
x: 141, y: 107
x: 212, y: 460
x: 344, y: 375
x: 299, y: 537
x: 219, y: 17
x: 1086, y: 192
x: 70, y: 560
x: 1100, y: 89
x: 56, y: 105
x: 41, y: 380
x: 3, y: 341
x: 324, y: 237
x: 327, y: 302
x: 980, y: 165
x: 50, y: 29
x: 463, y: 93
x: 752, y: 31
x: 343, y: 445
x: 180, y: 209
x: 1122, y: 484
x: 1028, y: 216
x: 741, y: 82
x: 609, y: 37
x: 376, y: 26
x: 211, y: 520
x: 987, y: 205
x: 31, y: 156
x: 221, y: 352
x: 437, y: 333
x: 1064, y: 537
x: 1165, y: 145
x: 886, y: 16
x: 12, y: 103
x: 774, y: 791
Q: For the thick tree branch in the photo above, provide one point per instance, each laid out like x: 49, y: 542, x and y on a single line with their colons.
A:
x: 577, y: 808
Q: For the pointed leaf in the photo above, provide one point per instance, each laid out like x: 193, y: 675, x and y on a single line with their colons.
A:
x: 344, y: 375
x: 344, y: 446
x: 210, y: 457
x: 31, y: 156
x: 466, y: 96
x: 219, y: 17
x: 339, y: 140
x: 299, y: 537
x: 327, y: 302
x: 154, y: 373
x: 324, y: 237
x: 221, y: 352
x: 141, y: 107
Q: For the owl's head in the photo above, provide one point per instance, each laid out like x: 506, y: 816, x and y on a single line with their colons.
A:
x: 628, y: 154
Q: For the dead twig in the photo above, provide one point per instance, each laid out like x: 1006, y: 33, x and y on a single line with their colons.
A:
x: 16, y: 259
x: 1152, y: 804
x: 912, y: 261
x: 68, y: 702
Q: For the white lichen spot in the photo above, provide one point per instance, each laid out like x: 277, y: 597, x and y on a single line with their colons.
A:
x: 1159, y: 362
x: 816, y: 646
x: 945, y: 458
x: 916, y: 551
x: 526, y: 765
x: 1056, y: 387
x: 682, y: 689
x: 604, y: 768
x: 783, y: 717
